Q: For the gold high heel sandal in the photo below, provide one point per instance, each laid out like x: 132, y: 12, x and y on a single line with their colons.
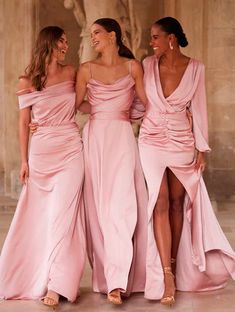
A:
x: 115, y: 296
x: 173, y: 265
x: 51, y: 301
x: 168, y: 300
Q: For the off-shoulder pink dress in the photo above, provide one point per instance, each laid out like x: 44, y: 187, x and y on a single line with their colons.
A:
x: 205, y: 260
x: 115, y: 191
x: 45, y: 246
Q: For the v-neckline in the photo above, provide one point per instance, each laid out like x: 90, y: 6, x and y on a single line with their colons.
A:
x: 182, y: 78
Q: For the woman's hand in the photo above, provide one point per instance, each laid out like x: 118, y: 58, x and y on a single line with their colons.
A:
x: 200, y: 161
x: 33, y: 126
x: 24, y: 172
x: 85, y: 107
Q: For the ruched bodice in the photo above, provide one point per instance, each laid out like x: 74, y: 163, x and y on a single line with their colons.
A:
x: 166, y: 117
x: 168, y: 131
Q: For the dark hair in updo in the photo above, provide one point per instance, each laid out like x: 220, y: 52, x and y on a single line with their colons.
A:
x: 171, y: 26
x: 109, y: 25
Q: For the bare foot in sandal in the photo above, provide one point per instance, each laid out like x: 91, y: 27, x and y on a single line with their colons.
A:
x: 51, y: 299
x: 115, y: 296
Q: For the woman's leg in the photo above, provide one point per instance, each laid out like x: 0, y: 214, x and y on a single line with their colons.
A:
x: 176, y: 201
x: 162, y: 232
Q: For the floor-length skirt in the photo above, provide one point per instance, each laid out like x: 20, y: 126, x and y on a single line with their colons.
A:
x: 205, y: 259
x: 45, y: 247
x: 115, y: 201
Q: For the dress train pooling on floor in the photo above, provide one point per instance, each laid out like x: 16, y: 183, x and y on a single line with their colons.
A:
x: 45, y: 246
x: 205, y: 259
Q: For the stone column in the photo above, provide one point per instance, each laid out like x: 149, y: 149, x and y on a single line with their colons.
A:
x: 220, y: 83
x: 190, y: 14
x: 169, y: 8
x: 2, y: 141
x: 17, y: 28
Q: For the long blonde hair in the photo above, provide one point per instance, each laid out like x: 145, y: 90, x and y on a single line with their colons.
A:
x: 41, y: 55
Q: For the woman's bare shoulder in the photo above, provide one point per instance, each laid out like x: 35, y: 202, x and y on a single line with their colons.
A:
x: 24, y: 85
x: 136, y: 67
x: 84, y: 71
x: 70, y: 71
x: 24, y: 82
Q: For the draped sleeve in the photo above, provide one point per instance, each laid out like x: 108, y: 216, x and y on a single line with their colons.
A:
x: 27, y: 99
x: 198, y: 109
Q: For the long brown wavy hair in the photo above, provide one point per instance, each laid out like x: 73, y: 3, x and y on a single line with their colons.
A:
x: 41, y: 55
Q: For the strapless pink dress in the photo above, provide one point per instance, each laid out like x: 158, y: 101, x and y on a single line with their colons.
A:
x: 115, y: 191
x: 205, y: 259
x: 45, y: 246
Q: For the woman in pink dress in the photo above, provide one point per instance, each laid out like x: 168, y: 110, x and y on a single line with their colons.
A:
x: 44, y: 252
x: 115, y: 192
x: 184, y: 237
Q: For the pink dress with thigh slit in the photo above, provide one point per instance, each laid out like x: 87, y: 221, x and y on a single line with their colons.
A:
x: 205, y: 259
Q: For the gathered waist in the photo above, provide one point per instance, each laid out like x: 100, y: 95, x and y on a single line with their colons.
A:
x: 172, y: 120
x: 113, y: 115
x: 167, y: 115
x: 164, y: 130
x: 61, y: 126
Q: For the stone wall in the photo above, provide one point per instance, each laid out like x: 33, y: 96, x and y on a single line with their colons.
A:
x: 220, y: 61
x: 17, y: 25
x: 2, y: 109
x: 209, y: 26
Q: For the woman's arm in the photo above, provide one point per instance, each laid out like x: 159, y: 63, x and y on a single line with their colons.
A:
x: 81, y: 86
x: 138, y: 74
x: 138, y: 106
x: 199, y: 119
x: 198, y: 109
x: 85, y: 107
x: 200, y: 161
x: 25, y: 117
x: 24, y: 86
x: 24, y: 121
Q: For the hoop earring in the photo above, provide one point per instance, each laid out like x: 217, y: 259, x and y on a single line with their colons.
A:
x: 171, y: 46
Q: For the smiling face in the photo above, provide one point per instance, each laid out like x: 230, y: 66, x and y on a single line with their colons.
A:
x: 62, y: 48
x: 160, y: 40
x: 101, y: 38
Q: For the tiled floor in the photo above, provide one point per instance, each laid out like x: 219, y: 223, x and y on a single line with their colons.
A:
x: 217, y: 301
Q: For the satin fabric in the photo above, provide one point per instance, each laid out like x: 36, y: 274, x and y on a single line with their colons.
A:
x: 205, y: 260
x: 45, y: 246
x: 115, y: 191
